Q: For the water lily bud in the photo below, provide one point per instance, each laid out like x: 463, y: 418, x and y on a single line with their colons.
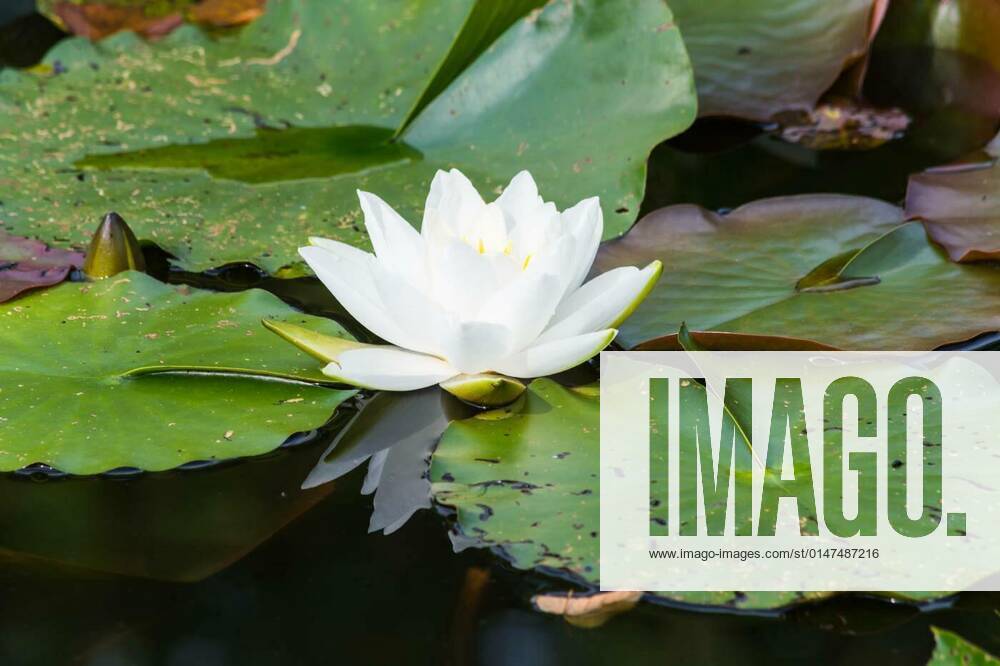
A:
x: 484, y: 389
x: 113, y: 249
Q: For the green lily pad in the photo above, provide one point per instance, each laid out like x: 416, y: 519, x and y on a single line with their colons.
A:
x: 755, y: 58
x: 524, y: 482
x: 838, y: 270
x: 950, y: 649
x: 238, y: 148
x: 130, y: 372
x: 26, y: 264
x: 960, y: 208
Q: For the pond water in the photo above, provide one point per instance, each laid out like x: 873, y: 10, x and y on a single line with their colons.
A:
x: 235, y: 564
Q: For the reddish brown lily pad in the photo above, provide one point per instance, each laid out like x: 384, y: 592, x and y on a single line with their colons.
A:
x: 97, y: 19
x: 960, y: 209
x: 26, y: 263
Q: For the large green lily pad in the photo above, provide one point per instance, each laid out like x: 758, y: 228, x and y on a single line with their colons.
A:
x: 950, y: 649
x: 524, y: 482
x: 182, y: 136
x: 755, y: 58
x: 842, y: 271
x: 133, y: 373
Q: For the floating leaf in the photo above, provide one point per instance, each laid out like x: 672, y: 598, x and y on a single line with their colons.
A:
x: 526, y: 486
x: 96, y: 19
x: 960, y: 209
x: 754, y: 58
x: 586, y: 611
x: 716, y: 341
x: 950, y: 649
x: 129, y: 372
x: 838, y: 270
x: 26, y: 264
x: 193, y: 139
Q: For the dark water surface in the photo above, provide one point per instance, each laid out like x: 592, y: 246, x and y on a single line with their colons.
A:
x: 234, y: 564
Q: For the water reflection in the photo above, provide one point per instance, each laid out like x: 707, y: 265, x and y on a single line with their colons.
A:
x: 395, y: 433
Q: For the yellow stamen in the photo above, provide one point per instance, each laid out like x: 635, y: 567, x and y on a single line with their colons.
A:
x: 482, y: 248
x: 527, y: 260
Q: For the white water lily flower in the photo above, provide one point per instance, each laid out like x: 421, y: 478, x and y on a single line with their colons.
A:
x: 481, y: 288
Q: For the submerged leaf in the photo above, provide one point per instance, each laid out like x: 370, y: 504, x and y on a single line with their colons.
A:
x: 129, y: 372
x: 842, y: 271
x: 195, y: 138
x: 26, y: 264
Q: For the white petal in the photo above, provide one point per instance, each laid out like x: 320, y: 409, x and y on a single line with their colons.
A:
x: 389, y: 368
x: 475, y: 346
x: 524, y: 208
x: 397, y: 245
x: 557, y: 355
x: 489, y: 232
x: 461, y: 278
x: 585, y: 221
x: 451, y: 204
x: 419, y: 318
x: 349, y: 278
x: 604, y: 302
x: 525, y: 306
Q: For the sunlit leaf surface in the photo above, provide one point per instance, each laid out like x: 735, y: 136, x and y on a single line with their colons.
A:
x: 85, y: 381
x: 239, y: 147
